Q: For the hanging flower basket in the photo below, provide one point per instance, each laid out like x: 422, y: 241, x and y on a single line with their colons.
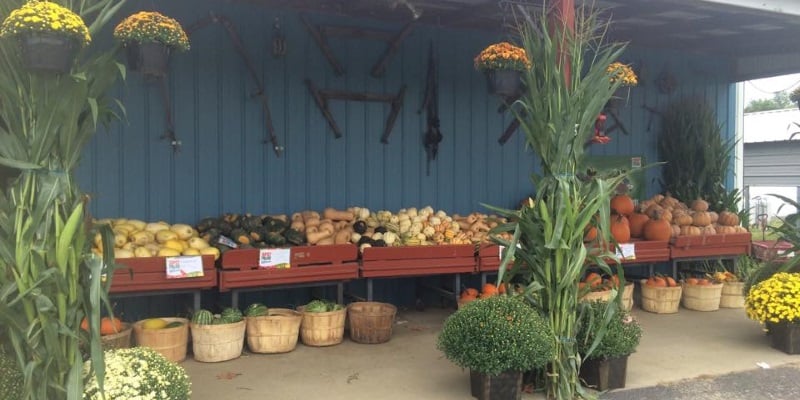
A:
x: 503, y: 64
x: 48, y: 52
x: 151, y: 59
x: 48, y: 34
x: 623, y: 73
x: 149, y: 39
x: 504, y: 82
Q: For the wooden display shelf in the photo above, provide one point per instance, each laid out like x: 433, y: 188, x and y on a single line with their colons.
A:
x: 148, y: 274
x: 407, y: 261
x: 488, y: 257
x: 710, y: 245
x: 771, y: 250
x: 309, y: 264
x: 649, y: 252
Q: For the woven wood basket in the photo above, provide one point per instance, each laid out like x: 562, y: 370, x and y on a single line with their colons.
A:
x: 170, y: 342
x: 322, y: 328
x: 119, y: 340
x: 274, y: 333
x: 627, y: 296
x: 604, y: 295
x: 732, y: 295
x: 371, y: 322
x: 660, y: 300
x: 702, y: 298
x: 215, y: 343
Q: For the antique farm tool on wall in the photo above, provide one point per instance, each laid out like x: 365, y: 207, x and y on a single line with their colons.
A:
x: 513, y: 125
x: 233, y: 34
x: 430, y: 103
x: 393, y: 41
x: 321, y: 97
x: 170, y: 133
x: 278, y: 40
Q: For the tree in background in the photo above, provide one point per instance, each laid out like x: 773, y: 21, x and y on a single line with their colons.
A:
x: 779, y: 101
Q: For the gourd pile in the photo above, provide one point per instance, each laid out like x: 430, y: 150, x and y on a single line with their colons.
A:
x: 663, y: 217
x: 135, y: 238
x: 357, y: 225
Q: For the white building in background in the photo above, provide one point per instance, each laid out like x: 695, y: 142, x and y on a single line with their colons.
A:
x: 771, y: 160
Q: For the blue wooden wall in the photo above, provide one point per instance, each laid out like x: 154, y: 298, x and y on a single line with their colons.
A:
x: 223, y: 166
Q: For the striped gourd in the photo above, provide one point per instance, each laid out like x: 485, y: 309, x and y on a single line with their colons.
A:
x: 203, y: 317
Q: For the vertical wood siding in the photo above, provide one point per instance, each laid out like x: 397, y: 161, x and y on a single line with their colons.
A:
x: 223, y: 166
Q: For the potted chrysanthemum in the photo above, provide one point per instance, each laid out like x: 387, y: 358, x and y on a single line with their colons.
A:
x: 503, y: 64
x: 49, y: 35
x: 605, y: 366
x: 776, y: 303
x: 497, y: 338
x: 138, y: 372
x: 626, y: 76
x: 149, y: 38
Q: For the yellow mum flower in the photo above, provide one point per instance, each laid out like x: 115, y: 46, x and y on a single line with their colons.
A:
x: 45, y: 16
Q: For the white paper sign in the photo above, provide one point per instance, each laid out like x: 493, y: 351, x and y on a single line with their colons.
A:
x: 274, y: 258
x: 226, y: 241
x: 500, y: 253
x: 626, y: 251
x: 184, y: 267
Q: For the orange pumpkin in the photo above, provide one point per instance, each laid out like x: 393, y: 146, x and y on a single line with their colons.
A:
x: 85, y: 324
x: 657, y: 228
x: 690, y: 230
x: 471, y: 292
x: 691, y: 281
x: 488, y: 290
x: 620, y: 229
x: 622, y: 204
x: 590, y: 233
x: 109, y: 326
x: 701, y: 218
x: 502, y: 288
x: 671, y: 282
x: 700, y: 205
x: 669, y: 201
x: 593, y: 279
x: 636, y: 223
x: 682, y: 218
x: 728, y: 218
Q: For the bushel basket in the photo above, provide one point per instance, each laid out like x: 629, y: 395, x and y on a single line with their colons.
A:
x: 215, y: 343
x: 702, y: 297
x: 371, y: 322
x: 170, y: 342
x: 660, y: 300
x: 322, y: 328
x: 732, y: 295
x: 119, y: 340
x: 274, y: 333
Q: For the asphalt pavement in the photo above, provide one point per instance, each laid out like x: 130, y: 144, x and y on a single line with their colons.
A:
x: 778, y: 383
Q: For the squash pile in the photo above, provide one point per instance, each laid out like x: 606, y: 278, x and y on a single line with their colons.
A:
x: 108, y: 325
x: 249, y: 231
x: 663, y: 217
x: 488, y: 290
x: 135, y: 238
x: 661, y: 281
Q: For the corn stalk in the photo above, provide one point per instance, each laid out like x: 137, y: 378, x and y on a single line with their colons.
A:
x: 49, y: 279
x: 564, y: 93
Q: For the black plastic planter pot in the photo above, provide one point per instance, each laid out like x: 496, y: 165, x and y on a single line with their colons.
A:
x: 604, y: 373
x: 151, y: 59
x: 505, y: 386
x: 785, y: 337
x: 504, y: 82
x: 47, y: 52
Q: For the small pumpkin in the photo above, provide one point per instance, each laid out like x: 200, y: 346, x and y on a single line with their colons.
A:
x: 590, y: 233
x: 741, y: 229
x: 666, y: 215
x: 701, y: 218
x: 657, y: 198
x: 714, y: 217
x: 690, y: 230
x: 658, y: 228
x: 488, y: 290
x: 709, y: 230
x: 651, y: 211
x: 728, y: 218
x: 620, y: 229
x: 700, y: 205
x: 669, y: 201
x: 593, y: 279
x: 676, y: 230
x: 681, y: 218
x: 724, y: 229
x: 622, y: 204
x: 110, y: 326
x: 636, y: 221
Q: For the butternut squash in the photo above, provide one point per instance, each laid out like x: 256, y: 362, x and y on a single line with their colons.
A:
x: 316, y: 237
x: 337, y: 215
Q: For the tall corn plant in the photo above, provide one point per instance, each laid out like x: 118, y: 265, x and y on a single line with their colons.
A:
x: 49, y: 279
x: 565, y: 92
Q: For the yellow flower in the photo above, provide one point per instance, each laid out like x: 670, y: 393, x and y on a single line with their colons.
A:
x: 45, y: 16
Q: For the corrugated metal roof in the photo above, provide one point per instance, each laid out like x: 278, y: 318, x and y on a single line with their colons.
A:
x: 771, y: 126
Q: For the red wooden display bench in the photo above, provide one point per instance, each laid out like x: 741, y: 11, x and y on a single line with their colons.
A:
x: 148, y: 276
x: 733, y: 244
x: 310, y: 266
x: 488, y: 257
x: 417, y: 261
x: 771, y: 250
x: 649, y: 252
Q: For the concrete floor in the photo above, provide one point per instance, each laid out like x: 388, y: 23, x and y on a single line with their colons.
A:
x: 674, y: 347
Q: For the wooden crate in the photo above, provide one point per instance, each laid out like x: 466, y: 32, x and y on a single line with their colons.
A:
x: 384, y: 262
x: 308, y: 264
x: 488, y: 257
x: 649, y: 252
x: 710, y: 245
x: 146, y: 274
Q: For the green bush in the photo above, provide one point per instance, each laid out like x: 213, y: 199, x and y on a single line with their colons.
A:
x: 622, y: 332
x: 498, y: 334
x: 10, y: 378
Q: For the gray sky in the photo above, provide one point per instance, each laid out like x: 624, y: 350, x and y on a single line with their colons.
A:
x: 767, y: 87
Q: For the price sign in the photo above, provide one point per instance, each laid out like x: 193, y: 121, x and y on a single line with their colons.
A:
x: 626, y: 251
x: 274, y: 258
x: 184, y: 267
x: 226, y: 241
